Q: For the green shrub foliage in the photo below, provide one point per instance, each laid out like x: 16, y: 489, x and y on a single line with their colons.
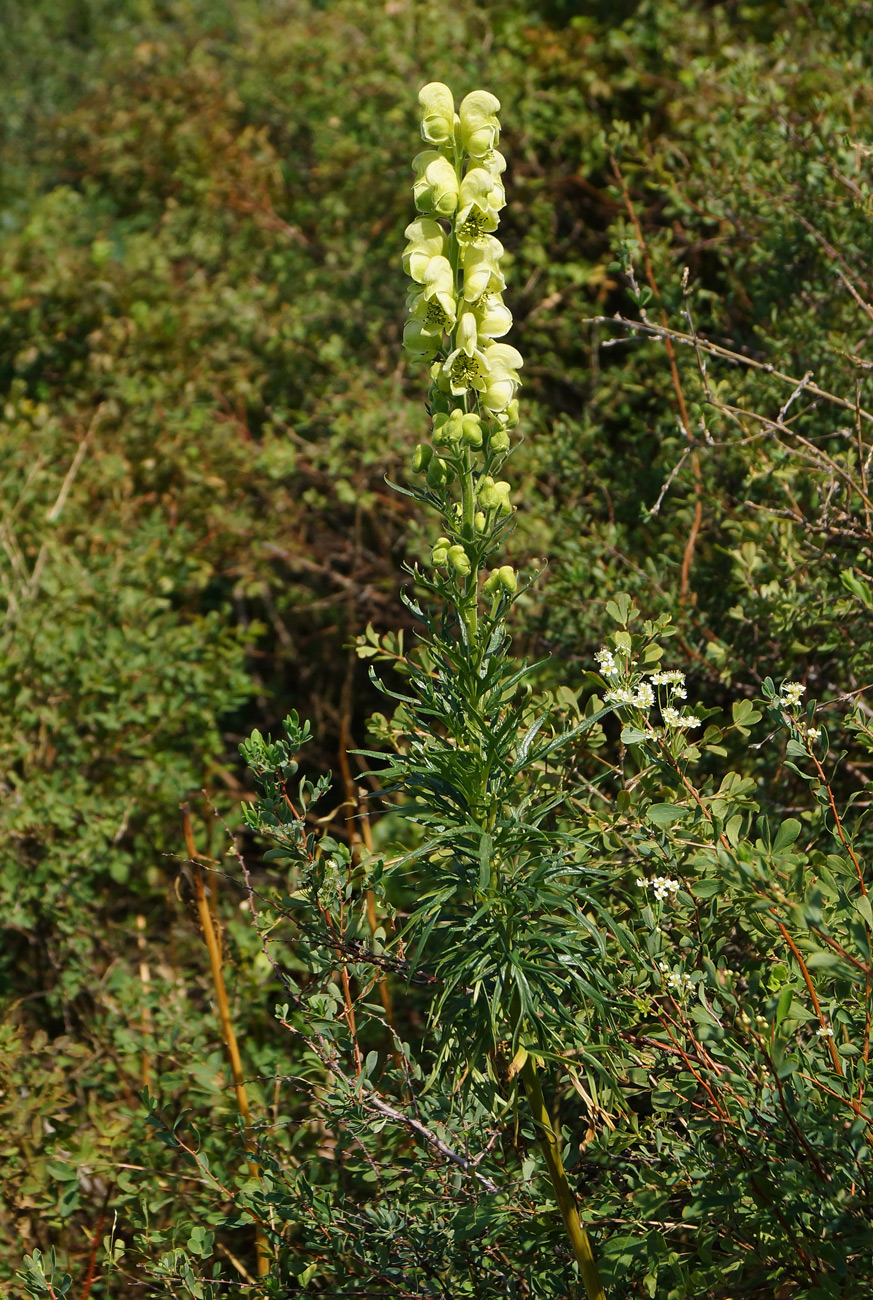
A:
x: 598, y: 830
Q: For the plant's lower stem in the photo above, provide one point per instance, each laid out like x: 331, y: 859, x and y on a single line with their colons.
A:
x: 551, y: 1147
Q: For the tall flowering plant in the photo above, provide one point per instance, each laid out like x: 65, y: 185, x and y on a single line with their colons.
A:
x: 504, y: 912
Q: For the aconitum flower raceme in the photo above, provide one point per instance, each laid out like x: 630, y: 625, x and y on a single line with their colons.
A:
x: 452, y: 253
x: 455, y: 315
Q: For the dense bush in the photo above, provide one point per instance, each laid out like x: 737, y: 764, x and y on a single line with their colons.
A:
x: 203, y: 210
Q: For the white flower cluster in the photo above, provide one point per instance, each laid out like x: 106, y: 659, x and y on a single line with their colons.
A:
x: 605, y: 660
x: 681, y: 721
x: 790, y: 697
x: 662, y: 886
x: 676, y: 981
x: 673, y: 678
x: 642, y: 696
x: 824, y: 1032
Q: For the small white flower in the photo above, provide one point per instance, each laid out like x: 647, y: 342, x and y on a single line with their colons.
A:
x: 642, y: 883
x: 790, y: 697
x: 681, y: 721
x: 825, y: 1032
x: 606, y: 662
x: 679, y: 693
x: 664, y: 887
x: 645, y: 696
x: 813, y: 733
x: 669, y: 677
x: 620, y: 695
x: 676, y: 981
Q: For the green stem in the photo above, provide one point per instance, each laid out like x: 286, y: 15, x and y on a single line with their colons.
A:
x: 468, y: 518
x: 551, y: 1148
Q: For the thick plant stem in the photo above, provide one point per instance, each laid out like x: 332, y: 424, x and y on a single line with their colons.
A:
x: 213, y: 947
x: 551, y: 1148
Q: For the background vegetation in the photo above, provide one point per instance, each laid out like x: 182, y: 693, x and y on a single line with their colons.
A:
x: 203, y: 208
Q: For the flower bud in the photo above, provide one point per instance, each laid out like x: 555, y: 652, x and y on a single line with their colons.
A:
x: 441, y: 550
x: 480, y: 129
x: 495, y: 496
x: 471, y: 430
x: 436, y: 185
x: 437, y: 473
x: 499, y: 441
x: 422, y: 457
x: 479, y: 521
x: 460, y: 561
x: 506, y: 577
x: 447, y: 429
x: 500, y: 580
x: 509, y: 417
x: 437, y: 112
x: 438, y: 377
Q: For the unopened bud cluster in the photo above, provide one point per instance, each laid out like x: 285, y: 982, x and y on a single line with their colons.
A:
x: 456, y: 314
